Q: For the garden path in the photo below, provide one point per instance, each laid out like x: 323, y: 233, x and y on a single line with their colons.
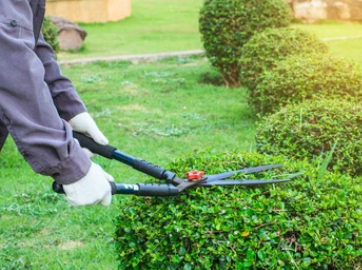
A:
x: 157, y: 56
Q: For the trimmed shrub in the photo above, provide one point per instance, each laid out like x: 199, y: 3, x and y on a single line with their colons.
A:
x: 50, y: 33
x: 306, y: 77
x: 311, y: 222
x: 226, y: 25
x: 310, y: 129
x: 263, y: 51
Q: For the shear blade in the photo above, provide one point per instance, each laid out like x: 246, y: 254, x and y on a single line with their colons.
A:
x: 186, y: 184
x: 246, y: 170
x: 208, y: 183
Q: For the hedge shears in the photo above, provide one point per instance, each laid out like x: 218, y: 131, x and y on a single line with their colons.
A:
x: 174, y: 185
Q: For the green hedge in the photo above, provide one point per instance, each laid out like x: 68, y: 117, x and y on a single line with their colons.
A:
x: 226, y: 25
x: 50, y: 33
x: 310, y: 129
x: 263, y: 51
x: 313, y: 222
x: 306, y: 77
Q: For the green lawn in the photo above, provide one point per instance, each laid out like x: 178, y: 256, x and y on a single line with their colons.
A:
x: 156, y: 111
x: 166, y: 26
x: 349, y: 48
x: 155, y: 26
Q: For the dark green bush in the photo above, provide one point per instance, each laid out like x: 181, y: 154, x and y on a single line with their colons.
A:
x: 310, y: 223
x: 212, y: 77
x: 305, y: 77
x: 50, y: 33
x: 226, y: 25
x: 263, y: 51
x: 310, y: 129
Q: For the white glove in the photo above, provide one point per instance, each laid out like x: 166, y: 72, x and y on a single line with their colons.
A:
x: 85, y: 124
x: 93, y: 188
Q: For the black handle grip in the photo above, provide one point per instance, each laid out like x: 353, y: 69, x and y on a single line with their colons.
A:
x: 112, y: 153
x: 152, y: 169
x: 156, y: 190
x: 89, y: 143
x: 58, y: 188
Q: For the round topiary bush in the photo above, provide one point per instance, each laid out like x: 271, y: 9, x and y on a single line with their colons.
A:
x: 305, y: 77
x: 310, y: 129
x: 226, y: 25
x: 50, y: 33
x: 312, y: 222
x: 265, y: 49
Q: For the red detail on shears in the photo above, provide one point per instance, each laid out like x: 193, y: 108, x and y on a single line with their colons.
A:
x: 195, y: 175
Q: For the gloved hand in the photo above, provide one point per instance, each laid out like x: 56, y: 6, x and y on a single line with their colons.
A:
x: 85, y: 124
x: 93, y: 188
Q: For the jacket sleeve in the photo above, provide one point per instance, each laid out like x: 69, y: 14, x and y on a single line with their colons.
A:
x: 65, y: 97
x: 26, y: 105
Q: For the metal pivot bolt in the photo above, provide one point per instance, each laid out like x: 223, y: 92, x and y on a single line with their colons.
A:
x: 195, y: 175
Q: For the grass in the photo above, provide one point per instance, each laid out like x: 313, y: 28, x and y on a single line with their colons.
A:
x: 156, y: 111
x: 166, y: 26
x: 349, y: 48
x: 155, y: 26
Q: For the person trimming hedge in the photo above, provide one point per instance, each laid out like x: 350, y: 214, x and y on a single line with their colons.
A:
x: 40, y: 107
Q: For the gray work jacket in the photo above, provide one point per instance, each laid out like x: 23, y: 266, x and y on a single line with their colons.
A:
x: 36, y: 100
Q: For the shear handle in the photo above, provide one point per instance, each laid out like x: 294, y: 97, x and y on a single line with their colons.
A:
x: 153, y: 190
x: 111, y: 152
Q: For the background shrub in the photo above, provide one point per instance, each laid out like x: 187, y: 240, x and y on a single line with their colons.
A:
x: 211, y: 77
x: 226, y: 25
x: 50, y: 33
x: 311, y: 223
x: 265, y: 49
x: 305, y: 77
x: 311, y: 128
